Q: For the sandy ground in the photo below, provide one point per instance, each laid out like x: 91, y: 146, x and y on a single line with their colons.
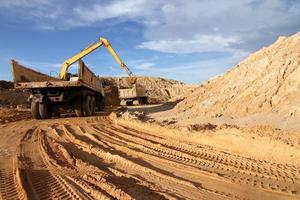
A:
x: 105, y: 157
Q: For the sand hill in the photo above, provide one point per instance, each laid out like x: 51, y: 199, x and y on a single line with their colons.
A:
x: 268, y: 81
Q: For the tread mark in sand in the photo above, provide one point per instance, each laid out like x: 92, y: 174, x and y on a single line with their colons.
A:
x: 215, y: 162
x: 8, y: 189
x: 45, y: 185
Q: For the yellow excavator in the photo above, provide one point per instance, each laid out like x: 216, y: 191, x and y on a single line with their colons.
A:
x: 102, y: 41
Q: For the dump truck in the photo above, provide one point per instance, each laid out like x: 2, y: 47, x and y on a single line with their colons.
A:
x: 131, y: 94
x: 81, y: 92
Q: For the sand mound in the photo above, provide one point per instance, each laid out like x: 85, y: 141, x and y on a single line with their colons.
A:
x: 268, y: 81
x: 13, y: 114
x: 12, y: 97
x: 6, y: 85
x: 159, y: 90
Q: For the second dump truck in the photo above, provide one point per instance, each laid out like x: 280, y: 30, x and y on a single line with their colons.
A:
x: 81, y: 92
x: 131, y: 94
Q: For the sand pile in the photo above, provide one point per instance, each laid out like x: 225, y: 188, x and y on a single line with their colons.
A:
x: 268, y: 81
x: 6, y: 85
x: 159, y: 90
x: 12, y: 97
x: 13, y: 114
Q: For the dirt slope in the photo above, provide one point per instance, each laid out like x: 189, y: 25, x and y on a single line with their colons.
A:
x: 266, y: 83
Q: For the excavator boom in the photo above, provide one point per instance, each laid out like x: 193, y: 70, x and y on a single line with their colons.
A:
x: 106, y: 43
x: 88, y: 50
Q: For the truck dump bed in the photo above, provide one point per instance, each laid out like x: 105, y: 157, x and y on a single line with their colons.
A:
x: 28, y: 79
x: 133, y: 92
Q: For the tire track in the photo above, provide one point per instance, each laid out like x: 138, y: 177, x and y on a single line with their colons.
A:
x: 209, y: 153
x: 40, y: 182
x: 114, y: 179
x: 85, y: 144
x: 8, y: 185
x: 127, y: 163
x: 247, y: 172
x: 96, y: 185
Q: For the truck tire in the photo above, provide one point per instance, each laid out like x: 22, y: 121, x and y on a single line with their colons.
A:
x: 136, y: 102
x: 145, y: 100
x: 123, y: 102
x: 35, y: 110
x: 55, y: 113
x: 78, y: 107
x: 93, y: 105
x: 87, y: 105
x: 101, y: 104
x: 44, y: 110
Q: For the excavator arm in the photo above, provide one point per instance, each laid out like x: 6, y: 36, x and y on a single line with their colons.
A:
x: 88, y: 50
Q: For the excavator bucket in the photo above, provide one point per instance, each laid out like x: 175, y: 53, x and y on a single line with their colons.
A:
x: 132, y: 80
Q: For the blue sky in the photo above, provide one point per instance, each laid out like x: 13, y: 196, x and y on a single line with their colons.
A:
x: 191, y: 40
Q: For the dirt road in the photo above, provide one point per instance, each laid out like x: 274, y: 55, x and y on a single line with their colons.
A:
x: 99, y: 158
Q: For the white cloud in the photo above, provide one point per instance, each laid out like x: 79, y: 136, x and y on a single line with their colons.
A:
x: 255, y: 23
x: 174, y: 26
x: 102, y: 11
x: 23, y: 3
x: 193, y: 72
x: 189, y: 72
x: 201, y: 43
x: 144, y: 66
x: 113, y: 68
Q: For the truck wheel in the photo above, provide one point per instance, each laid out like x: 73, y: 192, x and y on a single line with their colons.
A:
x: 56, y: 113
x: 129, y: 102
x: 93, y: 105
x: 123, y: 102
x: 44, y: 111
x: 35, y: 110
x: 135, y: 102
x: 87, y: 105
x: 78, y: 107
x: 145, y: 100
x: 101, y: 105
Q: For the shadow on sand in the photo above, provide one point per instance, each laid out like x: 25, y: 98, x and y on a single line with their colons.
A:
x: 156, y: 108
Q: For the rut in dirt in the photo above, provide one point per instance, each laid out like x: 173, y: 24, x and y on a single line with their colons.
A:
x: 99, y: 158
